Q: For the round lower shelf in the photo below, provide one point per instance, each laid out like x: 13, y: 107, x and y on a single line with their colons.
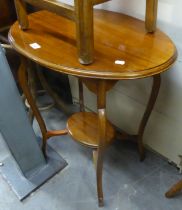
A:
x: 83, y: 127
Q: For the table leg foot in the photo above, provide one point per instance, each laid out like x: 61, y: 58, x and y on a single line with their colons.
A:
x: 99, y: 162
x: 174, y: 189
x: 101, y: 106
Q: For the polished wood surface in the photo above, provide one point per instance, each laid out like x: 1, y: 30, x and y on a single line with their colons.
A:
x: 81, y: 13
x: 84, y: 128
x: 142, y: 54
x: 93, y: 130
x: 54, y: 6
x: 151, y: 15
x: 123, y: 50
x: 21, y: 14
x: 84, y: 30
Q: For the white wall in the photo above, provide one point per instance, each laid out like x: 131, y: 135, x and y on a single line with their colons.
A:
x: 127, y: 101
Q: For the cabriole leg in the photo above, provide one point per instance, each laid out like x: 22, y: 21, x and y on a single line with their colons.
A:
x: 150, y: 105
x: 101, y: 104
x: 22, y: 75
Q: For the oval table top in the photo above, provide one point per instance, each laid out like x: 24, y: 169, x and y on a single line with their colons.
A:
x: 123, y: 49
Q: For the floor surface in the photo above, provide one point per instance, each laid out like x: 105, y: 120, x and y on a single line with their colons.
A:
x: 128, y: 183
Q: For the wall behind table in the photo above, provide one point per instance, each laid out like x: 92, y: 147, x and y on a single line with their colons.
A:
x: 127, y: 101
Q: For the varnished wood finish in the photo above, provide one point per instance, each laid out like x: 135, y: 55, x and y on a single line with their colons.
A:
x: 101, y: 106
x: 151, y: 15
x: 56, y: 133
x: 83, y: 127
x: 95, y: 2
x: 93, y: 130
x: 54, y: 6
x: 84, y: 30
x: 81, y: 13
x: 149, y: 108
x: 174, y: 189
x: 24, y: 85
x: 21, y: 14
x: 92, y: 84
x: 144, y: 54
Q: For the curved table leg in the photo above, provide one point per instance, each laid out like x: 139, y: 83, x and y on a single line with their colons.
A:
x: 174, y: 189
x: 22, y: 76
x: 101, y: 103
x: 150, y: 105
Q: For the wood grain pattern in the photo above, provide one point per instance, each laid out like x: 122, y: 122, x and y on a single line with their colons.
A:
x: 84, y: 30
x: 144, y: 54
x: 93, y: 130
x: 92, y: 84
x: 151, y: 15
x: 21, y: 14
x: 81, y: 13
x: 54, y: 6
x: 83, y: 128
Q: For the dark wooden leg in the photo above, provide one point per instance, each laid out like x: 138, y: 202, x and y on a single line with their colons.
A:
x: 151, y: 15
x: 101, y: 103
x: 22, y: 76
x: 84, y: 28
x: 21, y: 14
x: 81, y: 97
x: 150, y: 105
x: 174, y: 189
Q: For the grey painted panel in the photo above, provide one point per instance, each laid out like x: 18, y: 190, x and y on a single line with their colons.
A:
x: 14, y: 123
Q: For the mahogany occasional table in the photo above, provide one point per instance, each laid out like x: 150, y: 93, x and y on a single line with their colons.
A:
x: 123, y: 51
